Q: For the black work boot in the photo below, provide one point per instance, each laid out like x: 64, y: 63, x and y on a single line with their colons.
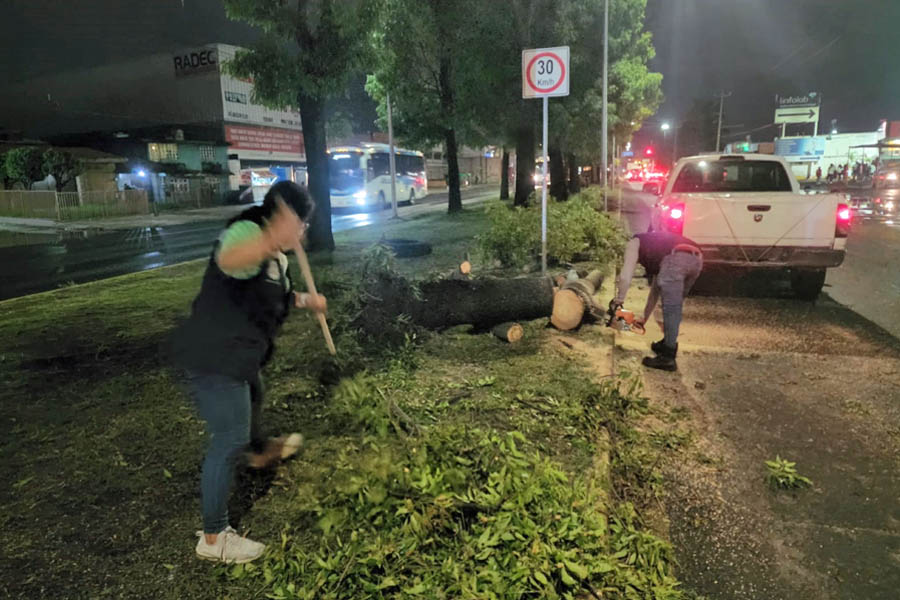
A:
x: 665, y: 361
x: 657, y: 347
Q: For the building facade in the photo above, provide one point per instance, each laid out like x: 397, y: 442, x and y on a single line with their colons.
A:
x: 183, y: 111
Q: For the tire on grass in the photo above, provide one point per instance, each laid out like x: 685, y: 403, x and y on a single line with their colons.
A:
x: 407, y: 248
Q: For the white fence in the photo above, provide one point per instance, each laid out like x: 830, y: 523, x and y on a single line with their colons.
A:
x: 69, y: 206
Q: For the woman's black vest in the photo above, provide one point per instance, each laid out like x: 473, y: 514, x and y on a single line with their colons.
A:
x: 233, y: 322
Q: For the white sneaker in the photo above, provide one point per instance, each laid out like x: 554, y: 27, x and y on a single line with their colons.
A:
x: 229, y: 548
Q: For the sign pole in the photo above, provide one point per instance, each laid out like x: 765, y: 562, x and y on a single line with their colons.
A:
x: 545, y: 73
x: 604, y: 150
x: 544, y: 193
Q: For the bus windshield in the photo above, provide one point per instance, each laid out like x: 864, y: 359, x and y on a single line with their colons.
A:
x: 345, y: 172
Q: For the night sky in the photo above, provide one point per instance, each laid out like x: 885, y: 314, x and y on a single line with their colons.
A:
x: 847, y: 50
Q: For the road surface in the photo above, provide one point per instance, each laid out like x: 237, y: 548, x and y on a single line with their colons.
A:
x: 39, y: 260
x: 763, y: 375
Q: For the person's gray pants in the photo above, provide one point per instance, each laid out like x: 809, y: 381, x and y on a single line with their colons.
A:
x: 677, y: 274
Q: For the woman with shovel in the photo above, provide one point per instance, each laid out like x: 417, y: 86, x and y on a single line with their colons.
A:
x: 245, y: 297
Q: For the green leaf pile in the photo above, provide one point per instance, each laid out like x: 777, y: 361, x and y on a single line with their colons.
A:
x: 456, y: 512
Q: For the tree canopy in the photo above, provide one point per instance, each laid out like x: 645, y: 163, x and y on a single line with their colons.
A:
x: 423, y: 61
x: 24, y: 165
x: 62, y: 165
x: 308, y: 51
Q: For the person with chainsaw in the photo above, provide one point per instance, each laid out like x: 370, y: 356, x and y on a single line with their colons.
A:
x: 245, y: 296
x: 672, y: 263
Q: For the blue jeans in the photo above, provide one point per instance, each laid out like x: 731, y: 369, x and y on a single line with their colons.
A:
x: 231, y: 413
x: 677, y: 274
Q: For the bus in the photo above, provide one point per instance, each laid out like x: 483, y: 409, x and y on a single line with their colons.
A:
x: 360, y: 176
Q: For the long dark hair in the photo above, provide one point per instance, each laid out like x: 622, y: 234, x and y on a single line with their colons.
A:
x: 295, y: 196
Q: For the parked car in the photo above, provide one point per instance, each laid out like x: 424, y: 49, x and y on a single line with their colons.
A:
x: 886, y: 191
x: 747, y: 211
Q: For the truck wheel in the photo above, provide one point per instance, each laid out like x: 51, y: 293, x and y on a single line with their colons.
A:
x: 807, y: 283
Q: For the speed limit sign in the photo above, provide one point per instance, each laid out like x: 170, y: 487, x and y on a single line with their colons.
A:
x: 545, y: 72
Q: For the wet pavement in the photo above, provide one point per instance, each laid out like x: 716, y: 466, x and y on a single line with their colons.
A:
x: 36, y: 259
x: 761, y: 375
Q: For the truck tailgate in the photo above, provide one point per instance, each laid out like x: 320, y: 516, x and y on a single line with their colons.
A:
x: 758, y: 218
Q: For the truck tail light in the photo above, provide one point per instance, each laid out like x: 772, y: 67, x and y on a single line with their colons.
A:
x: 673, y: 218
x: 842, y: 223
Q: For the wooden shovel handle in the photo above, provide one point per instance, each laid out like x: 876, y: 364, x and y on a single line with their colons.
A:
x: 311, y: 286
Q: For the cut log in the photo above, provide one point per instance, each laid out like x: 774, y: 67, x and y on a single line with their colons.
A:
x: 568, y: 310
x: 574, y: 303
x: 508, y: 332
x: 448, y: 302
x: 465, y: 267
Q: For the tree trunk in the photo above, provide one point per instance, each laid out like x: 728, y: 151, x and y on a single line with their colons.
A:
x: 454, y: 198
x: 504, y: 175
x: 557, y: 172
x: 524, y: 163
x: 312, y: 116
x: 447, y: 302
x: 574, y: 179
x: 454, y: 203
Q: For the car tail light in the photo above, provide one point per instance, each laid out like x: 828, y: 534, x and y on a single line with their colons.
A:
x: 842, y: 223
x: 877, y: 200
x: 673, y: 218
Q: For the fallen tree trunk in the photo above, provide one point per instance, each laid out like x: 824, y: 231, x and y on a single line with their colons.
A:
x: 508, y: 332
x: 574, y: 303
x: 448, y: 302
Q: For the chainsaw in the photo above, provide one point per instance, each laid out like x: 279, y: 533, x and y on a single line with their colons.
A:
x: 623, y: 320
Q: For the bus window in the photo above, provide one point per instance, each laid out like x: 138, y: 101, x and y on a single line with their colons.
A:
x: 380, y: 164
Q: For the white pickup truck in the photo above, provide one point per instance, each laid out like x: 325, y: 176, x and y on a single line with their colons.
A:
x: 748, y: 211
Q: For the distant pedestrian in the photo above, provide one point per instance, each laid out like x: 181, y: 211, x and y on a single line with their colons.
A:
x: 831, y: 172
x: 245, y: 296
x: 845, y: 173
x: 673, y: 263
x: 818, y: 174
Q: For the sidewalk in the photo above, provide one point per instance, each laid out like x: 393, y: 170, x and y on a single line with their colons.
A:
x: 216, y: 213
x: 221, y: 213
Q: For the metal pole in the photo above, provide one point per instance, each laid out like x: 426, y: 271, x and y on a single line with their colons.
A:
x: 544, y: 193
x: 675, y: 144
x: 719, y: 129
x: 603, y: 143
x: 615, y: 159
x: 393, y: 165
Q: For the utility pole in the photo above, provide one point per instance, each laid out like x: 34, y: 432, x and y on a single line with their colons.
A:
x: 603, y: 145
x: 392, y: 163
x: 722, y: 96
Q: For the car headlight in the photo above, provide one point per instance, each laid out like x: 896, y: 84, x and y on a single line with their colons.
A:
x: 889, y: 205
x: 360, y: 197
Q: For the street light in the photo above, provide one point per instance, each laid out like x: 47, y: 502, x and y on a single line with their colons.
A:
x: 665, y: 126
